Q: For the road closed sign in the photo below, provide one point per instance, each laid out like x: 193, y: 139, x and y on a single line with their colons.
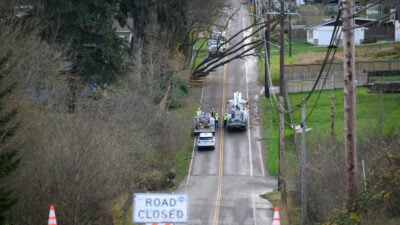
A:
x: 160, y: 208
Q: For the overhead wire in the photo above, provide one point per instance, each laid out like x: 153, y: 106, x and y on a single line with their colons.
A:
x: 327, y: 55
x: 322, y: 87
x: 379, y: 19
x: 330, y: 63
x: 334, y: 42
x: 331, y: 46
x: 364, y: 9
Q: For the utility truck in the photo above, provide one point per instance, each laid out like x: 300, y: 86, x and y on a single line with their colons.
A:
x: 203, y: 123
x: 237, y: 113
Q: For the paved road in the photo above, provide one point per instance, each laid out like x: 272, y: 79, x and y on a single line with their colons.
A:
x: 224, y: 185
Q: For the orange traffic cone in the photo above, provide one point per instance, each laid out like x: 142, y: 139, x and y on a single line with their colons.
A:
x: 276, y: 220
x: 52, y: 216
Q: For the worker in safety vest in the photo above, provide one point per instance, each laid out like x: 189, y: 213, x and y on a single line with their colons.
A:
x: 198, y: 112
x: 225, y: 119
x: 216, y: 120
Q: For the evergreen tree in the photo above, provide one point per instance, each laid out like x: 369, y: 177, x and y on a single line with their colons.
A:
x: 85, y: 26
x: 9, y: 158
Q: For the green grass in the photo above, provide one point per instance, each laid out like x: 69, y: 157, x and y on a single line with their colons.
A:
x: 271, y: 136
x: 371, y: 109
x: 184, y: 154
x: 201, y: 50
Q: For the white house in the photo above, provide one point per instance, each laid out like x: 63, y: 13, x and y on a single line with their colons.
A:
x: 397, y: 30
x: 321, y: 33
x: 125, y: 32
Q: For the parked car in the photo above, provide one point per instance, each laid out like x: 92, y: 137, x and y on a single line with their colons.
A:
x: 206, y: 141
x: 216, y: 42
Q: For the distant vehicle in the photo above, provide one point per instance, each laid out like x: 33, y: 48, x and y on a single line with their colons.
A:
x: 216, y: 42
x: 203, y: 123
x: 206, y: 141
x: 237, y: 111
x: 23, y: 10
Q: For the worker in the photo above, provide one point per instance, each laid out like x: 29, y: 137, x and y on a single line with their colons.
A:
x: 225, y: 119
x: 216, y: 120
x: 213, y: 112
x: 198, y: 112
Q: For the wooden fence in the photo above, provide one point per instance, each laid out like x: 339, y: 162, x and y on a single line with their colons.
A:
x: 301, y: 77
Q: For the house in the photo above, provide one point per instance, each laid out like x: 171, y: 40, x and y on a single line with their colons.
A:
x: 124, y: 32
x: 321, y: 33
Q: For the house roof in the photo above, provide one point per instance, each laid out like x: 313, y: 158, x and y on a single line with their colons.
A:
x: 127, y: 28
x: 331, y: 22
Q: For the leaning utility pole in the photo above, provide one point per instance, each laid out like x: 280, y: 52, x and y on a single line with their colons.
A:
x: 351, y: 187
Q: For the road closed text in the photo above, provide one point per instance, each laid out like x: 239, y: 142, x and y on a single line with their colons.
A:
x: 156, y: 215
x: 160, y: 208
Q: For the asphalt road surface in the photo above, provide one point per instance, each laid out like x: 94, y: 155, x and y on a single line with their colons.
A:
x: 224, y: 185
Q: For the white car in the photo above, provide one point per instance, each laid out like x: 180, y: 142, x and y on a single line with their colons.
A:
x: 216, y: 43
x: 206, y: 141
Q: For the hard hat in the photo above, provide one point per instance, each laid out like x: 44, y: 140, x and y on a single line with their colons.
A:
x: 216, y: 113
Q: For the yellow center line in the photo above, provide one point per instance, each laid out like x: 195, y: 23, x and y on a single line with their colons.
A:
x: 221, y: 145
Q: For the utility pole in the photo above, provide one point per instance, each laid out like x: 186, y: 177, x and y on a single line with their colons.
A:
x: 267, y: 32
x: 282, y: 177
x: 303, y: 165
x: 255, y: 11
x: 290, y: 35
x: 351, y: 186
x: 267, y: 52
x: 266, y: 66
x: 332, y: 109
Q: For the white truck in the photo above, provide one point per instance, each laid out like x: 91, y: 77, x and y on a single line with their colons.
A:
x: 203, y: 123
x: 237, y: 112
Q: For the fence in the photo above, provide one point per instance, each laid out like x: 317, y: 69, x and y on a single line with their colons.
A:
x: 301, y: 78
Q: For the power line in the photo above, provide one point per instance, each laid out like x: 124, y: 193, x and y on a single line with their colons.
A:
x: 333, y: 45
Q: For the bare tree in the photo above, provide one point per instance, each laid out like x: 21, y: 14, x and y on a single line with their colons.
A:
x: 240, y: 48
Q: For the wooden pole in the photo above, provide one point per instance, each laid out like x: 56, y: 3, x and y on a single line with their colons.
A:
x: 351, y: 186
x: 282, y: 178
x: 290, y: 35
x: 281, y: 172
x: 333, y: 109
x: 267, y: 52
x: 303, y: 166
x: 266, y: 66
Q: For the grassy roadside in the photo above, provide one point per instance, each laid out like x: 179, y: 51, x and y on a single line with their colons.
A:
x: 373, y: 110
x: 368, y: 105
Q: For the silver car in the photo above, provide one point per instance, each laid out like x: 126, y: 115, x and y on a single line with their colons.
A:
x: 206, y: 141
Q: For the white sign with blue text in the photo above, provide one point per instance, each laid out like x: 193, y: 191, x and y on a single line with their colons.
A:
x: 160, y: 208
